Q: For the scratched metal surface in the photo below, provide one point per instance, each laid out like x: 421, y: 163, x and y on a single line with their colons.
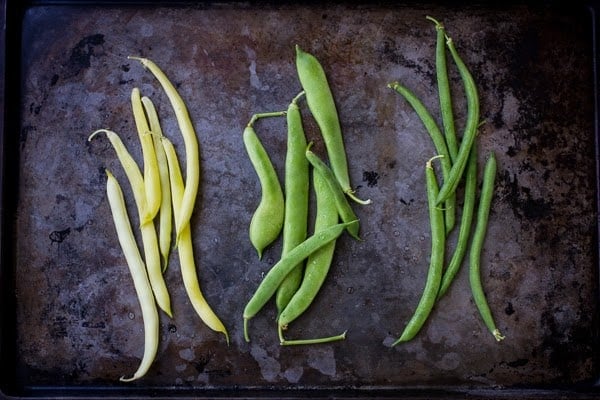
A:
x: 78, y: 319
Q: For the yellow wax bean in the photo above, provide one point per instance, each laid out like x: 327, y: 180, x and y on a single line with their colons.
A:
x: 192, y: 173
x: 165, y: 211
x: 185, y: 248
x: 151, y: 174
x: 137, y: 270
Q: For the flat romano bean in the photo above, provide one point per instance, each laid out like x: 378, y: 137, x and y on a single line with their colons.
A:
x: 344, y: 209
x: 151, y: 170
x: 192, y: 172
x: 483, y: 211
x: 449, y: 186
x: 137, y: 270
x: 166, y: 210
x: 322, y: 106
x: 296, y: 200
x: 439, y: 143
x: 267, y: 220
x: 185, y: 247
x: 466, y: 221
x: 444, y: 89
x: 317, y: 265
x: 149, y: 240
x: 434, y: 274
x: 278, y: 272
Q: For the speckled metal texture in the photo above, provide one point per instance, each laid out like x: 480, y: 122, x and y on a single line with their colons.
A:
x: 78, y: 321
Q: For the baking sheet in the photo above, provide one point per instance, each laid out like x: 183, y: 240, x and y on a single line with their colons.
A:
x: 78, y: 322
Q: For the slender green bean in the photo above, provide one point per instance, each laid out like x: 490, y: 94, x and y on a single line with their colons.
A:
x: 483, y: 211
x: 185, y: 247
x: 267, y: 220
x: 166, y: 209
x: 278, y: 272
x: 444, y: 89
x: 296, y: 201
x: 317, y: 264
x: 322, y: 106
x: 149, y: 240
x: 192, y: 173
x: 434, y: 275
x: 344, y: 209
x: 137, y: 270
x: 151, y: 169
x: 465, y: 223
x: 439, y: 143
x: 470, y: 132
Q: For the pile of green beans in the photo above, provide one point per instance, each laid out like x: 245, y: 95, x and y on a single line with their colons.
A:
x: 458, y: 158
x: 161, y: 196
x: 297, y: 277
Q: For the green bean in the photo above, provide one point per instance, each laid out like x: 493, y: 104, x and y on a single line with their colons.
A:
x: 470, y: 132
x: 344, y: 209
x: 322, y: 106
x: 151, y: 170
x: 267, y: 220
x: 149, y: 240
x: 165, y: 211
x: 317, y: 264
x: 465, y: 223
x: 434, y: 274
x: 483, y: 211
x: 185, y: 247
x: 278, y: 272
x: 137, y: 269
x: 439, y: 143
x: 444, y: 89
x: 192, y: 173
x: 296, y: 200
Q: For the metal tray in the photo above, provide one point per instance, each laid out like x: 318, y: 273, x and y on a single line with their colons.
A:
x: 71, y: 324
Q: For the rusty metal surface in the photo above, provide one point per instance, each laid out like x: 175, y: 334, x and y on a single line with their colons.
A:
x: 78, y: 319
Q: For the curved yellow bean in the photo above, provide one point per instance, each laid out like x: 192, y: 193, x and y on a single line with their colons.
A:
x: 186, y: 250
x: 192, y: 176
x: 137, y: 270
x: 165, y: 211
x: 151, y: 174
x: 149, y: 240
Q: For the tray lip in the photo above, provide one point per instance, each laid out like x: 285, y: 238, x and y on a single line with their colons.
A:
x: 14, y: 10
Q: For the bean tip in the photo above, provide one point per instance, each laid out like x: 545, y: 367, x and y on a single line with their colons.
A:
x: 497, y: 335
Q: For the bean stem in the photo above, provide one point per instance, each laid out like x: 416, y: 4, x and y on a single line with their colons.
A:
x: 149, y: 240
